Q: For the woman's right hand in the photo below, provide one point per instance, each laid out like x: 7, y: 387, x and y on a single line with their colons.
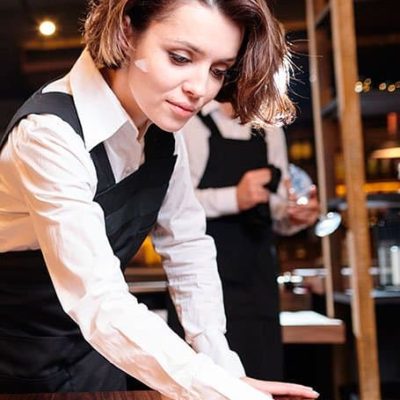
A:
x: 282, y: 390
x: 250, y: 191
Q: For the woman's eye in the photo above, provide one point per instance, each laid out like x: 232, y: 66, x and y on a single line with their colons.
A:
x: 220, y: 73
x: 178, y: 59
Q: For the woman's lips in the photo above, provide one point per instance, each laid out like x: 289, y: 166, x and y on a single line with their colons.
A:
x: 182, y: 109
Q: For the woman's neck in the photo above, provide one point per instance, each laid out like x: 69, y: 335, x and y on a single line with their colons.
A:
x: 227, y: 109
x: 117, y: 79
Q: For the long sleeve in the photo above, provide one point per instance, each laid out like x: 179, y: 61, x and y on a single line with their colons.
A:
x: 189, y: 259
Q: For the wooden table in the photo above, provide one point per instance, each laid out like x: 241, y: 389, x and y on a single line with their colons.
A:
x: 309, y: 327
x: 134, y: 395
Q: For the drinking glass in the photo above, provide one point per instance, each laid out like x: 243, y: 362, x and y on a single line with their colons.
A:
x: 301, y: 186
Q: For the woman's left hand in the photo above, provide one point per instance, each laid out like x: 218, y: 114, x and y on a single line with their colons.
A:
x: 304, y: 214
x: 282, y: 390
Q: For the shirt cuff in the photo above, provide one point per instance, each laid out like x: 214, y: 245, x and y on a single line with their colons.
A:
x: 215, y: 345
x: 226, y: 200
x: 218, y: 202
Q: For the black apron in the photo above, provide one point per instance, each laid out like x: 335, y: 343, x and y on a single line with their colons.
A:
x: 246, y: 257
x: 41, y: 347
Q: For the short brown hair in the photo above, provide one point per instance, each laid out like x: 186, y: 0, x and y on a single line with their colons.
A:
x: 252, y: 88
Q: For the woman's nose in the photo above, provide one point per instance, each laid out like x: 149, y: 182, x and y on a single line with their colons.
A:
x: 196, y: 85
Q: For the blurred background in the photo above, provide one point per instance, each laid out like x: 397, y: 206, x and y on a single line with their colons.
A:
x: 32, y: 54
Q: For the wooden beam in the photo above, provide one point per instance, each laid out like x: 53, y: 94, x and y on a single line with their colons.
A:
x: 320, y: 145
x: 53, y: 44
x: 363, y: 312
x: 294, y: 25
x: 36, y: 67
x: 378, y: 40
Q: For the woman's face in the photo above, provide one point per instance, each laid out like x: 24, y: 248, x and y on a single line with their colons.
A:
x: 178, y: 64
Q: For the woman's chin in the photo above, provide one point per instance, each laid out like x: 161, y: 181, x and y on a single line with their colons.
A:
x: 170, y: 126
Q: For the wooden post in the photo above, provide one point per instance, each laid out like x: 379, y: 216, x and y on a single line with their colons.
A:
x: 363, y: 312
x: 320, y: 149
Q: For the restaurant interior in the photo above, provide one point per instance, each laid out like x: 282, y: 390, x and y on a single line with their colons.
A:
x: 339, y: 287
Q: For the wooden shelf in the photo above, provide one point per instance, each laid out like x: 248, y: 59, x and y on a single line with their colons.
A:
x: 147, y: 287
x: 140, y: 273
x: 373, y: 103
x: 384, y: 200
x: 338, y: 121
x: 380, y: 297
x: 309, y: 327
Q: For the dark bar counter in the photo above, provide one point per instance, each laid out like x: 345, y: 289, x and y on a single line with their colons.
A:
x: 133, y: 395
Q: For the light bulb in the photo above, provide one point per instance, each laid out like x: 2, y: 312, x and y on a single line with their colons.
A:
x: 47, y: 28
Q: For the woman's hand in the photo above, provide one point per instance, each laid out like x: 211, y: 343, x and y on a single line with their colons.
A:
x: 251, y: 190
x: 282, y: 390
x: 304, y: 214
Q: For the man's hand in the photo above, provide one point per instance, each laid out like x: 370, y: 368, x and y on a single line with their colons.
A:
x: 282, y: 390
x: 250, y: 191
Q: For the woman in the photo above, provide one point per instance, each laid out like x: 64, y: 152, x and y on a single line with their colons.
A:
x: 85, y: 176
x: 245, y: 203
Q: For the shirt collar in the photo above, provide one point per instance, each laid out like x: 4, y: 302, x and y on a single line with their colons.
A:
x: 99, y: 110
x: 213, y: 107
x: 210, y: 107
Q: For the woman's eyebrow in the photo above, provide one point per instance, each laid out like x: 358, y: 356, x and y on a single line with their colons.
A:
x: 197, y: 50
x: 189, y: 45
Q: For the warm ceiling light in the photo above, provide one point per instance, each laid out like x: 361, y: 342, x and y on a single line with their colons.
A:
x: 391, y: 147
x: 47, y: 28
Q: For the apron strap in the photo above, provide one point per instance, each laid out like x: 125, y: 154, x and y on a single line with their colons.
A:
x: 209, y: 122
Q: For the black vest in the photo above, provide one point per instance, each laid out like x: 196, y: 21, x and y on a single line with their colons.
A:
x: 245, y: 249
x: 41, y: 348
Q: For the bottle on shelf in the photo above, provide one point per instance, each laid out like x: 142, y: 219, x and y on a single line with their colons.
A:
x: 387, y: 243
x: 385, y: 160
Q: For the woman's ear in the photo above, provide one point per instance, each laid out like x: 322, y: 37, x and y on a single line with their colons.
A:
x: 130, y: 38
x: 127, y: 27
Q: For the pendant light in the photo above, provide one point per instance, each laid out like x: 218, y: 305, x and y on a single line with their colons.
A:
x: 391, y: 147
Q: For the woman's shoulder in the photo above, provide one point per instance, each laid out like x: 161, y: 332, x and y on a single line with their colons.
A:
x: 61, y: 84
x: 46, y: 133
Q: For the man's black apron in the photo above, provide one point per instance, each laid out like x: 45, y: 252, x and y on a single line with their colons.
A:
x: 41, y: 348
x: 246, y: 257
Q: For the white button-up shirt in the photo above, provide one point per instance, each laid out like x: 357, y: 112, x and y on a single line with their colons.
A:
x: 47, y: 185
x: 223, y: 201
